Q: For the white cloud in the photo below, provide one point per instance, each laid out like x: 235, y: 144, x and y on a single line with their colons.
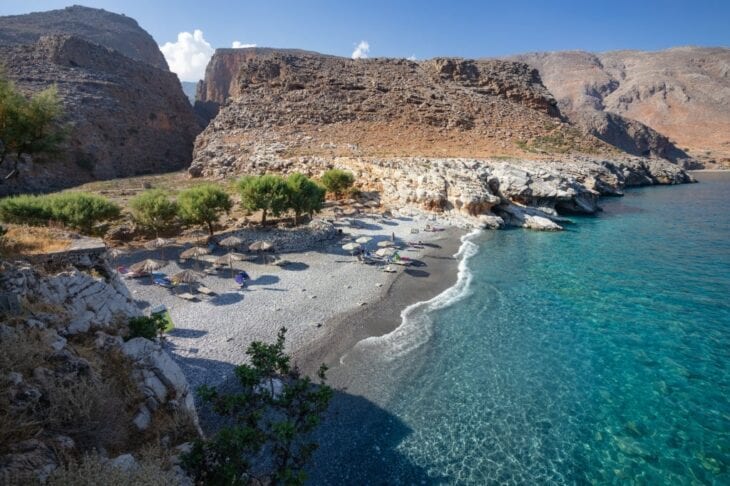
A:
x: 361, y: 51
x: 412, y: 57
x: 241, y: 45
x: 189, y: 55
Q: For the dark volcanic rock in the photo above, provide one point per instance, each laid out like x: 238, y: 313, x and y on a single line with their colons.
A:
x: 125, y: 117
x: 108, y: 29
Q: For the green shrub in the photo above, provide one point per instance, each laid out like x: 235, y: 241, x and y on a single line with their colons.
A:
x: 153, y: 210
x: 337, y: 181
x: 265, y: 427
x: 32, y: 210
x: 265, y: 193
x: 73, y: 209
x: 203, y: 204
x: 148, y: 327
x: 304, y: 195
x: 81, y: 210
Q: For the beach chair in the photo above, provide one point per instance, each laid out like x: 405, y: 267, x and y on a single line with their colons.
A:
x: 162, y: 281
x: 389, y: 269
x: 205, y: 290
x: 187, y: 296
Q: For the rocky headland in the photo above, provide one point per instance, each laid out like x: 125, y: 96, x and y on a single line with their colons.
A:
x: 125, y: 112
x: 416, y: 133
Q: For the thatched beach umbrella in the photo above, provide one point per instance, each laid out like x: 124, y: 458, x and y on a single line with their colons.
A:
x: 186, y: 276
x: 147, y: 266
x: 385, y: 243
x: 231, y: 242
x: 363, y: 240
x: 194, y: 252
x: 260, y: 245
x: 114, y: 253
x: 229, y: 258
x: 160, y: 243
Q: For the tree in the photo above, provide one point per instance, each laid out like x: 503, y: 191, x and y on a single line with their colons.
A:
x: 304, y: 195
x: 203, y: 204
x: 28, y: 126
x: 337, y: 181
x: 274, y: 412
x: 154, y: 210
x: 265, y: 193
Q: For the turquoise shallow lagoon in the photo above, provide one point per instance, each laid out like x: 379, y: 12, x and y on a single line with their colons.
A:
x: 597, y: 355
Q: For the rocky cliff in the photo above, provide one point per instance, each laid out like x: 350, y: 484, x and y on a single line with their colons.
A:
x: 326, y: 105
x: 124, y: 116
x: 673, y: 103
x: 111, y: 30
x: 72, y: 384
x: 418, y: 133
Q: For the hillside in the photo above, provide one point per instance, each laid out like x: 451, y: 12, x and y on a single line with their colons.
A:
x: 640, y: 101
x: 313, y: 104
x: 123, y: 116
x: 108, y: 29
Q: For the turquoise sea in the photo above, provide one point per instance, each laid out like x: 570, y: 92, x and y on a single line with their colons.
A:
x: 599, y: 355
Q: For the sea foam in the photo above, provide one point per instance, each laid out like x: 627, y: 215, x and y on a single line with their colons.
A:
x: 416, y: 326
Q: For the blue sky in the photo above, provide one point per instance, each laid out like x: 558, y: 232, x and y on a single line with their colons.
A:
x: 425, y: 28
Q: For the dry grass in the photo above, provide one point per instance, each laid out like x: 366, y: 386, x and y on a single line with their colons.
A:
x: 31, y: 240
x: 92, y: 412
x: 93, y: 470
x: 22, y: 352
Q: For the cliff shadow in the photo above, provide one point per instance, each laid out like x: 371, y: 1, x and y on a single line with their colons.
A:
x: 357, y: 439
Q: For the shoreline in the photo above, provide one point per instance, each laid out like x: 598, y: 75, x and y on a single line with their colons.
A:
x: 384, y: 315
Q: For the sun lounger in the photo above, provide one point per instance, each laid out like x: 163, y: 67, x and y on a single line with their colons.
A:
x: 401, y: 262
x: 126, y: 273
x: 211, y: 270
x: 187, y: 296
x: 389, y: 269
x: 162, y: 281
x: 205, y: 290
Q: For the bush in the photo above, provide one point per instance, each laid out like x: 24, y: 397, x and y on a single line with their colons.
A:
x: 148, y: 327
x: 81, y: 210
x: 31, y: 210
x: 337, y: 181
x: 153, y: 210
x: 203, y: 204
x: 73, y: 209
x: 265, y: 193
x: 93, y: 470
x: 304, y: 195
x: 277, y: 424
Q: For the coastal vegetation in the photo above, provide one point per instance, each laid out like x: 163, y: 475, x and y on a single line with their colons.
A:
x: 265, y: 193
x: 28, y: 126
x: 337, y: 181
x: 154, y: 210
x: 204, y: 205
x: 273, y: 413
x: 77, y: 210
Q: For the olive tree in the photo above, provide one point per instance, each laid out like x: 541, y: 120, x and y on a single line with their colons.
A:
x: 28, y: 126
x: 203, y: 204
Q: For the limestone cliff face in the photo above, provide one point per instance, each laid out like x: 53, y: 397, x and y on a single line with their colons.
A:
x: 314, y: 104
x: 111, y: 30
x: 124, y: 117
x: 674, y: 103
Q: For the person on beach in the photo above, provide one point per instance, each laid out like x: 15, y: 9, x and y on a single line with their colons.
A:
x: 241, y: 278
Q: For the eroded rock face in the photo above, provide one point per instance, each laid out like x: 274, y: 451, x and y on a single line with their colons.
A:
x: 638, y: 101
x: 108, y: 29
x: 125, y: 112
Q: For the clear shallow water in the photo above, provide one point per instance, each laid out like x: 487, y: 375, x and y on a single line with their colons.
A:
x: 596, y: 355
